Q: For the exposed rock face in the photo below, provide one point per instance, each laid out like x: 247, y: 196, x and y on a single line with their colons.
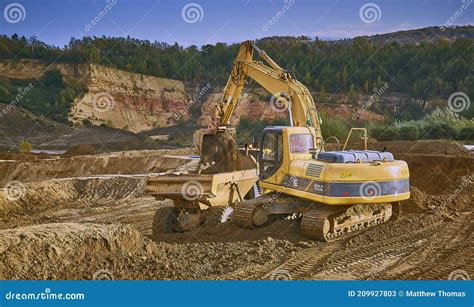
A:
x: 136, y: 102
x: 130, y: 101
x: 252, y: 105
x: 124, y: 100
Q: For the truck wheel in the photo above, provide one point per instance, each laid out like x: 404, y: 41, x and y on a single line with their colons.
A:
x: 163, y: 221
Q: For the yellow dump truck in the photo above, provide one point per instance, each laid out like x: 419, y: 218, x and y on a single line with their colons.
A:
x: 200, y: 197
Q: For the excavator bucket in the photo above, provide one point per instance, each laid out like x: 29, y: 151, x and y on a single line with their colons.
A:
x: 219, y: 152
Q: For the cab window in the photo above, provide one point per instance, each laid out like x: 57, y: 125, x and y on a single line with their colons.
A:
x: 301, y: 143
x: 271, y: 153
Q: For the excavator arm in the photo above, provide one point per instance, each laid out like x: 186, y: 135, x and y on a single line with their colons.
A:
x: 217, y: 143
x: 280, y: 83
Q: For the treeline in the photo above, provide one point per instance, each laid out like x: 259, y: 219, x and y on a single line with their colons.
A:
x: 51, y: 95
x: 422, y: 70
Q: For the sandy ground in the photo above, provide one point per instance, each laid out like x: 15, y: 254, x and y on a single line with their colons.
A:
x: 99, y: 226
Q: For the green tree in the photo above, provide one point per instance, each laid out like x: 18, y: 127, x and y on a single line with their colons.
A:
x: 25, y: 147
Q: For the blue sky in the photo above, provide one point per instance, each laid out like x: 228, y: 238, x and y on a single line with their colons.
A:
x: 56, y: 21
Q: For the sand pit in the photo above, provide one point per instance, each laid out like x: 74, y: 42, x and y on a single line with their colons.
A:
x: 72, y: 228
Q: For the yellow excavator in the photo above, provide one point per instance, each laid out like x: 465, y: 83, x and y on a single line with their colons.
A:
x: 335, y: 192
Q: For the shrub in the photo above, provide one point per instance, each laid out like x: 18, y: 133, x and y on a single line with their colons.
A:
x: 466, y: 133
x: 384, y: 133
x: 333, y: 126
x: 408, y: 132
x: 389, y: 134
x: 25, y: 146
x: 439, y: 131
x: 376, y: 132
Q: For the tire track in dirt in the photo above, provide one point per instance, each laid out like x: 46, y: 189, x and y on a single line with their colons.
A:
x: 296, y: 265
x: 452, y: 249
x: 362, y: 261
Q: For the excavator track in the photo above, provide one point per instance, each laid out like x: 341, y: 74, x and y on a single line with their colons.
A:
x: 333, y: 223
x: 244, y: 211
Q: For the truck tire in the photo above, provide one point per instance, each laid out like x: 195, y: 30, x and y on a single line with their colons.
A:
x: 163, y: 221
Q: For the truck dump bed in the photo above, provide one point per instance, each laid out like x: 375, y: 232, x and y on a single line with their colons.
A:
x: 209, y: 190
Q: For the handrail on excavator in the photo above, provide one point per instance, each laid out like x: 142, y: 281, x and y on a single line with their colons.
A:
x: 349, y: 136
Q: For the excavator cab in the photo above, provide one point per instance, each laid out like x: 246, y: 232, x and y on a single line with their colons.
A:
x: 270, y: 156
x: 279, y: 145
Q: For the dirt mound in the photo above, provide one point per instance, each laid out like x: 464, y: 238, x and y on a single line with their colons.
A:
x: 447, y: 205
x: 81, y: 251
x: 436, y: 174
x: 61, y: 250
x: 32, y: 198
x: 129, y: 162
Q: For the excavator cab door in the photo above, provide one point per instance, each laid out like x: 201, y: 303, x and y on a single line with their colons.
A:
x: 271, y: 153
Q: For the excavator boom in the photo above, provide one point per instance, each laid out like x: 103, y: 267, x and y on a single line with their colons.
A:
x: 217, y: 143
